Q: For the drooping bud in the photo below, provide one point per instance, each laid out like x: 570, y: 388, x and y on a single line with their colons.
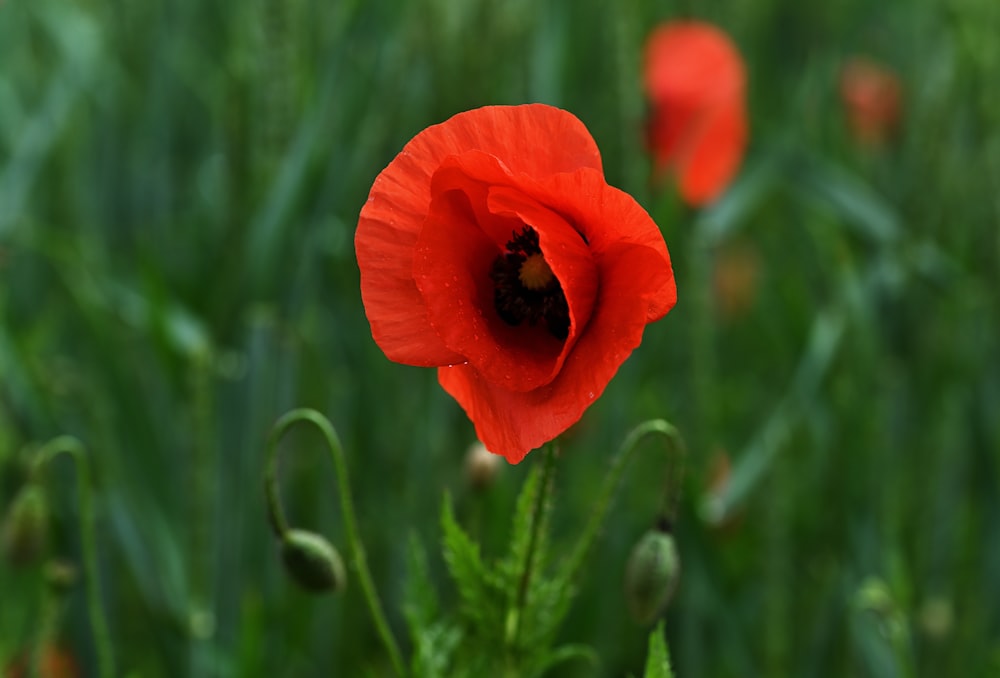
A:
x: 26, y: 527
x: 651, y: 575
x: 313, y: 561
x: 481, y: 467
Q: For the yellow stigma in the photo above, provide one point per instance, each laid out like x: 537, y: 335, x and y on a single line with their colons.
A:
x: 534, y: 273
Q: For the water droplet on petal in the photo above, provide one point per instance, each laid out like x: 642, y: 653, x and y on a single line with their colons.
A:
x: 591, y: 395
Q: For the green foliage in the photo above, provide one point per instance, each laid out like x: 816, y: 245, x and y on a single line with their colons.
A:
x: 179, y: 185
x: 657, y: 658
x: 509, y: 611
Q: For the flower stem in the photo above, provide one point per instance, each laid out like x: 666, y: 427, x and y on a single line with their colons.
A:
x: 702, y: 340
x: 98, y: 622
x: 602, y: 506
x: 201, y: 618
x: 544, y: 490
x: 358, y: 557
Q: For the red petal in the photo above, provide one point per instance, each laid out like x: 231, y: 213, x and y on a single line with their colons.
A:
x: 534, y: 139
x: 472, y: 217
x: 715, y: 154
x: 608, y: 217
x: 636, y: 286
x: 692, y: 61
x: 564, y: 249
x: 513, y: 423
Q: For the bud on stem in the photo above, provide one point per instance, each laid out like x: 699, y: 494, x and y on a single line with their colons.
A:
x: 651, y: 575
x: 26, y: 527
x: 313, y: 562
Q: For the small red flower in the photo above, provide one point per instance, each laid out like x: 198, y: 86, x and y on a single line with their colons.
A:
x: 695, y: 81
x: 872, y: 99
x: 493, y: 249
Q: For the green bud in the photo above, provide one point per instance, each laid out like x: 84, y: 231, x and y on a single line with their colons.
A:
x: 651, y: 575
x: 313, y: 562
x: 26, y: 527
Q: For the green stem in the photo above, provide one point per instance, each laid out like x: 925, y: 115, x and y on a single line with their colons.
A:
x: 280, y: 524
x: 603, y: 504
x: 201, y: 617
x: 544, y: 489
x: 102, y: 639
x: 702, y: 339
x: 48, y: 626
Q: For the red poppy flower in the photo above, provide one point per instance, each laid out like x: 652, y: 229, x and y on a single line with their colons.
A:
x: 492, y: 248
x: 872, y: 100
x: 695, y: 81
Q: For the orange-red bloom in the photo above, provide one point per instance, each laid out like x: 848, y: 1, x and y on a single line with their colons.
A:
x: 55, y: 662
x: 493, y: 249
x: 695, y: 81
x: 872, y: 99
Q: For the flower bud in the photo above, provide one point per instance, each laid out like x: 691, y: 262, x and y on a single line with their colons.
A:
x: 313, y: 562
x: 481, y: 467
x: 26, y: 527
x: 651, y: 575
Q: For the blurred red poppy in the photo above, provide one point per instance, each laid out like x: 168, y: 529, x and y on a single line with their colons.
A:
x: 872, y: 99
x: 695, y: 81
x: 492, y: 248
x: 54, y: 662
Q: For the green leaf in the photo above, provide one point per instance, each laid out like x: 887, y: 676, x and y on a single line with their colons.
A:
x: 658, y: 659
x: 523, y: 521
x: 461, y: 555
x: 546, y: 599
x: 562, y: 654
x: 850, y: 198
x: 420, y: 600
x: 481, y: 592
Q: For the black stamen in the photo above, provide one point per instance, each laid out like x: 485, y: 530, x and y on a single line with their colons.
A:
x: 516, y: 302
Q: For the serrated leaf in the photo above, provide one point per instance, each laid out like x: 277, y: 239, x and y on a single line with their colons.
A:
x: 481, y: 594
x: 512, y: 565
x: 561, y: 655
x: 657, y: 658
x: 461, y: 555
x: 543, y: 598
x: 550, y: 602
x: 434, y: 649
x: 420, y: 600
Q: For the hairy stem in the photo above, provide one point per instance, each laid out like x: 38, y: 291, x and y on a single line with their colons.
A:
x: 603, y: 505
x: 544, y: 490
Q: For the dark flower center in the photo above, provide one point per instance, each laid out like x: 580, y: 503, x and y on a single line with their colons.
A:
x: 525, y: 287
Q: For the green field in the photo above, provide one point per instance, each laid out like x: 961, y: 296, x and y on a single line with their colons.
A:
x: 180, y: 184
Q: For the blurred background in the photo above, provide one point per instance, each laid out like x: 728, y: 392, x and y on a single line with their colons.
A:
x: 179, y: 187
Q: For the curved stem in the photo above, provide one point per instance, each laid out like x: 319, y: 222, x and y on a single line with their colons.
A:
x: 602, y: 506
x: 279, y: 522
x: 74, y: 448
